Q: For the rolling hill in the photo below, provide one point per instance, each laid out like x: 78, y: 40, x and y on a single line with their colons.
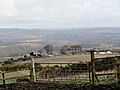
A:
x: 30, y: 39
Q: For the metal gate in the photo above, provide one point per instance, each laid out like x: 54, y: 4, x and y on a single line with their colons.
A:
x: 67, y: 72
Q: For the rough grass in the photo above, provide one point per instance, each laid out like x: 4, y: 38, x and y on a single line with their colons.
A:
x: 72, y: 58
x: 14, y: 74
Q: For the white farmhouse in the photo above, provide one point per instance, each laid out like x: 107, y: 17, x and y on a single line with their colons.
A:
x: 109, y: 52
x: 105, y: 52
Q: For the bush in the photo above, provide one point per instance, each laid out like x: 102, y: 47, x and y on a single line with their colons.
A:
x: 23, y: 80
x: 10, y: 68
x: 105, y: 64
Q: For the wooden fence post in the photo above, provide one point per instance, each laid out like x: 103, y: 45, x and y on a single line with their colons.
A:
x: 93, y: 65
x: 3, y: 75
x: 89, y: 66
x: 32, y: 71
x: 118, y: 67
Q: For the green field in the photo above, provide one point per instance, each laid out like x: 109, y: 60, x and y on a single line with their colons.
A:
x: 72, y: 58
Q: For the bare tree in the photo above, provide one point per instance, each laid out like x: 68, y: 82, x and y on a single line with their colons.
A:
x: 64, y: 49
x: 48, y: 49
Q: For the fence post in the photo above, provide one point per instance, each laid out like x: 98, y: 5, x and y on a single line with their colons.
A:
x: 3, y: 75
x: 89, y: 72
x: 32, y: 71
x: 93, y: 66
x: 118, y: 67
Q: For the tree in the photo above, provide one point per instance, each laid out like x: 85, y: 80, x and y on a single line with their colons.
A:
x: 64, y: 49
x: 48, y: 49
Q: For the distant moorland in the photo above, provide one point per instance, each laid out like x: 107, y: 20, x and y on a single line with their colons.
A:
x: 16, y: 40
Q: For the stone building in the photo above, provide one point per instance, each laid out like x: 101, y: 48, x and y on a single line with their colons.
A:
x: 75, y: 49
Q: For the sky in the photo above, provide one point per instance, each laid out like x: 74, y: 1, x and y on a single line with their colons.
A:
x: 59, y: 13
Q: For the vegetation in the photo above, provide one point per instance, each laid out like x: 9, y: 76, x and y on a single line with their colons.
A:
x: 48, y: 48
x: 54, y: 71
x: 60, y: 86
x: 11, y: 68
x: 105, y: 64
x: 22, y: 80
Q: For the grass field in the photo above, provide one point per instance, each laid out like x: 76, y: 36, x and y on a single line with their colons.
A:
x: 72, y: 58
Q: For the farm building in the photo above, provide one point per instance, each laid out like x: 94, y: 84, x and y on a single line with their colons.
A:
x: 71, y: 49
x: 75, y: 49
x: 103, y: 52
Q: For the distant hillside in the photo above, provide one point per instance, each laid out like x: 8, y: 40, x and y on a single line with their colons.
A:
x: 95, y: 35
x: 25, y: 40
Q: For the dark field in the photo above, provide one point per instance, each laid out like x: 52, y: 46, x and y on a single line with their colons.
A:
x: 59, y: 86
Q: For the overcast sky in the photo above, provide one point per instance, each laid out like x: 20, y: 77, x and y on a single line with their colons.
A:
x: 59, y: 13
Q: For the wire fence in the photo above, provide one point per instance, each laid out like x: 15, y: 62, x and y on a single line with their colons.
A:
x: 106, y: 70
x: 67, y: 72
x: 98, y: 70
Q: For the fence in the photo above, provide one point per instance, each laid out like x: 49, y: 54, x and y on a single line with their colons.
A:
x: 99, y: 70
x: 9, y: 80
x: 67, y: 72
x: 104, y: 70
x: 12, y: 73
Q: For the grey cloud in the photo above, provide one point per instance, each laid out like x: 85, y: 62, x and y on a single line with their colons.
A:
x: 37, y: 13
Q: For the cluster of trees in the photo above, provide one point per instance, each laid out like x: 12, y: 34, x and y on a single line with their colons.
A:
x: 65, y: 49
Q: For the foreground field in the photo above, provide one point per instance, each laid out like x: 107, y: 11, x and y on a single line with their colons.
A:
x: 59, y: 86
x: 58, y: 59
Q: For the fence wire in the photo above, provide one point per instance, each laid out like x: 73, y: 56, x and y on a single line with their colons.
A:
x: 106, y: 70
x: 67, y: 72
